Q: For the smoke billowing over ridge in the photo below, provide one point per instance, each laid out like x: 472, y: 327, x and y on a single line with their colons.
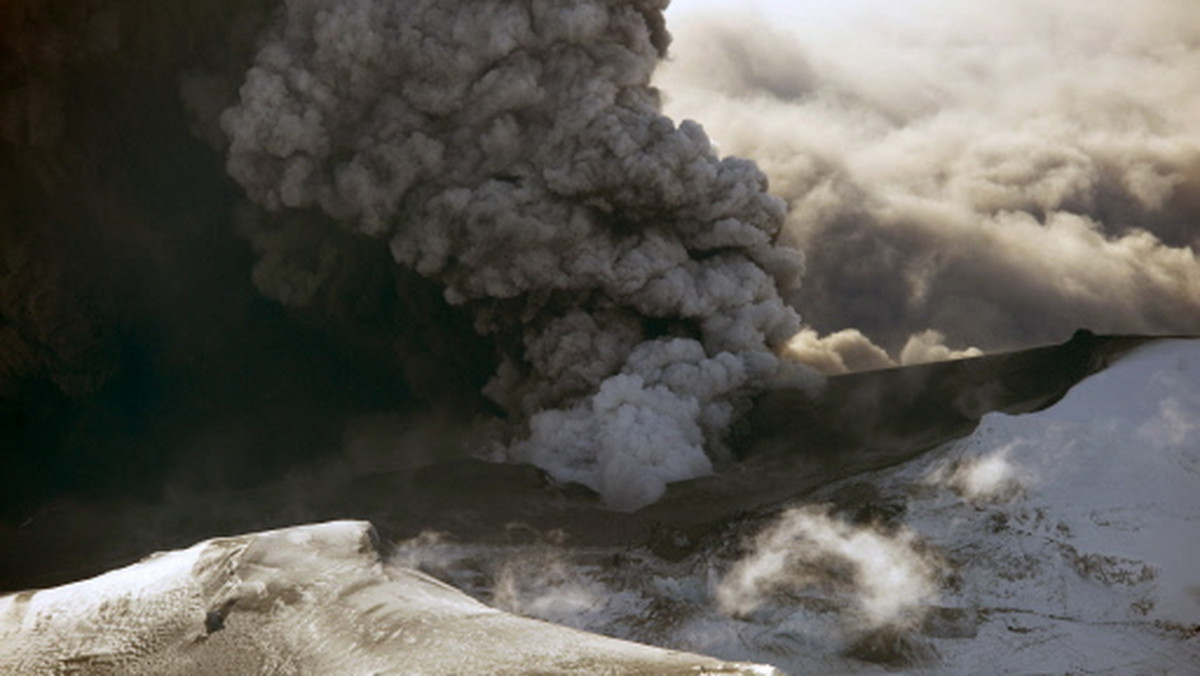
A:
x: 514, y: 153
x: 451, y: 200
x: 1002, y: 173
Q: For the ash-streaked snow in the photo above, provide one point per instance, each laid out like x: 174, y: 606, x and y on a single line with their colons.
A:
x: 1061, y: 541
x: 1077, y: 528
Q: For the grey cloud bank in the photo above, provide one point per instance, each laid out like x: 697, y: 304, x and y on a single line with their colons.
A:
x: 1000, y: 173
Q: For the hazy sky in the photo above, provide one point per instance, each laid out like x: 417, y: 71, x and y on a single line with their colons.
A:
x: 999, y: 174
x: 827, y: 13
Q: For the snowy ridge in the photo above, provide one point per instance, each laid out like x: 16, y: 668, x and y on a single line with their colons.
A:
x: 307, y: 600
x: 1081, y: 526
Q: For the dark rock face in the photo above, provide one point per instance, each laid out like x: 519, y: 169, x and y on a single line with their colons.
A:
x: 918, y: 407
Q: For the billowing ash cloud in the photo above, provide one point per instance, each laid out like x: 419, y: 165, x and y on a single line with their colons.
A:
x: 514, y: 153
x: 1002, y: 173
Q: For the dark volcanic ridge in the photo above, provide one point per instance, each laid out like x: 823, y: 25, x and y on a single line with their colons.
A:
x: 790, y: 445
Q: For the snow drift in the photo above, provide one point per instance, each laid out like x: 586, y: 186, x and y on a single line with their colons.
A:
x: 306, y: 600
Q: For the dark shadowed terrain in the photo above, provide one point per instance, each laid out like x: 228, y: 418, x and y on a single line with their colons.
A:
x: 790, y: 445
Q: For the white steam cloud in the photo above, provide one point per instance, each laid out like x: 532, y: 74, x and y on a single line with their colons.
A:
x: 884, y: 578
x: 849, y: 350
x: 514, y: 153
x: 1003, y: 173
x: 984, y: 478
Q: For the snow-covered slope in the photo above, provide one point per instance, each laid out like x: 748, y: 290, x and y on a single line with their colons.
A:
x: 1063, y: 541
x: 1074, y: 533
x: 308, y: 600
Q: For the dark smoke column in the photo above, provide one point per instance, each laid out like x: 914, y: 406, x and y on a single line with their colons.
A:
x: 513, y: 152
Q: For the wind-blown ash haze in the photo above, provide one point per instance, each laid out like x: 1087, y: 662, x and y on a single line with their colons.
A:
x: 998, y: 172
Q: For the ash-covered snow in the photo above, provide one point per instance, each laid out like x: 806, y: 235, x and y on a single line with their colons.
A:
x: 1073, y: 533
x: 307, y: 600
x: 1062, y: 541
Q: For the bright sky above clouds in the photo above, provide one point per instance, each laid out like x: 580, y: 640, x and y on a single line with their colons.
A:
x: 818, y: 11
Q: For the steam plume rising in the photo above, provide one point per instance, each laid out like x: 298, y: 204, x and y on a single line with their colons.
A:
x: 1002, y: 173
x: 514, y: 153
x: 806, y: 547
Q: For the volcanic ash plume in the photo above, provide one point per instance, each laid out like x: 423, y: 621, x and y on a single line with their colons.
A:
x: 514, y: 153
